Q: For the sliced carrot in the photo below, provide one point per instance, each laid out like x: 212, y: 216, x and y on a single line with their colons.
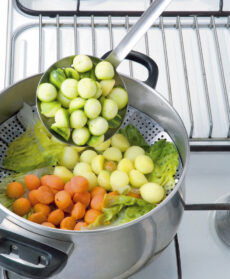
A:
x: 69, y: 189
x: 98, y: 191
x: 91, y: 215
x: 43, y: 180
x: 55, y: 182
x: 21, y: 206
x: 15, y: 190
x: 80, y: 225
x: 69, y: 208
x: 68, y: 223
x: 56, y: 216
x: 97, y: 202
x: 62, y: 199
x: 48, y: 224
x: 54, y: 191
x: 134, y: 195
x: 78, y: 211
x: 37, y: 217
x: 43, y: 208
x: 32, y: 197
x: 113, y: 194
x: 79, y: 184
x: 82, y: 197
x: 44, y: 195
x: 32, y: 182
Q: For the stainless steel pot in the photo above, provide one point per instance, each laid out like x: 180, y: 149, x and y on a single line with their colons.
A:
x: 106, y: 253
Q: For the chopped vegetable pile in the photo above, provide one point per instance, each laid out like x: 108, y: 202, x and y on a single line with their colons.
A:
x: 82, y: 101
x: 118, y: 181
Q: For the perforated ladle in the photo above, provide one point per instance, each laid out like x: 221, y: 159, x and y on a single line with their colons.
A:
x: 115, y: 57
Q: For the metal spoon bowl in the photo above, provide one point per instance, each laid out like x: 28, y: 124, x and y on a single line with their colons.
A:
x: 115, y: 58
x: 67, y: 62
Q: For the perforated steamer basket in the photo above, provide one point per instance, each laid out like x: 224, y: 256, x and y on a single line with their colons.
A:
x: 110, y: 252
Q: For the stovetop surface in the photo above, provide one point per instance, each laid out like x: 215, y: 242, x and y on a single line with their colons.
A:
x: 202, y: 254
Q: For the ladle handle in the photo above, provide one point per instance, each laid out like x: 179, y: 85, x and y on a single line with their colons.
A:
x: 137, y: 31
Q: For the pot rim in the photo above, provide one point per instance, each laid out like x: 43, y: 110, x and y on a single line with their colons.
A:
x: 112, y: 228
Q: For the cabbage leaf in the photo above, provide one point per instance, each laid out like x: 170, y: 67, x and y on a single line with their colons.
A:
x: 32, y: 150
x: 133, y: 136
x: 163, y: 153
x: 166, y: 159
x: 122, y: 209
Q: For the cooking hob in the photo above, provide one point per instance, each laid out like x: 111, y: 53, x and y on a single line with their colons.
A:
x: 199, y: 46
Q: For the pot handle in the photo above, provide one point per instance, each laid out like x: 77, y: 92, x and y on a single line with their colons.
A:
x: 145, y: 61
x: 28, y: 257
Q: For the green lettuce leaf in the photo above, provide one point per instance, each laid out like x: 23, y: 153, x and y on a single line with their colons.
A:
x: 32, y: 150
x: 134, y: 136
x: 166, y: 159
x: 122, y: 209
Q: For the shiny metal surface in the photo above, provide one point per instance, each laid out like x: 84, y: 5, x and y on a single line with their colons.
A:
x: 137, y: 31
x: 120, y: 251
x: 222, y: 221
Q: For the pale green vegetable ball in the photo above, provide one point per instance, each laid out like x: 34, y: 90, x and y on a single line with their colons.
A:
x: 76, y: 104
x: 112, y: 154
x: 120, y: 96
x: 65, y: 102
x: 152, y: 192
x: 46, y: 92
x: 99, y: 91
x: 49, y: 109
x: 119, y: 179
x: 62, y: 118
x: 92, y: 108
x: 123, y: 190
x: 92, y: 179
x: 82, y: 63
x: 81, y: 167
x: 87, y: 156
x: 144, y: 164
x: 69, y: 158
x: 109, y: 109
x: 69, y: 88
x: 125, y: 165
x: 97, y: 164
x: 104, y: 180
x: 119, y: 141
x: 98, y: 126
x: 132, y: 152
x: 78, y: 119
x: 103, y: 146
x: 80, y: 136
x: 137, y: 179
x: 79, y: 148
x: 96, y: 140
x: 107, y: 86
x: 87, y: 88
x: 63, y: 173
x: 104, y: 70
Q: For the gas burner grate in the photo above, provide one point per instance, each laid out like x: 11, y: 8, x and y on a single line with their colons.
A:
x: 197, y: 86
